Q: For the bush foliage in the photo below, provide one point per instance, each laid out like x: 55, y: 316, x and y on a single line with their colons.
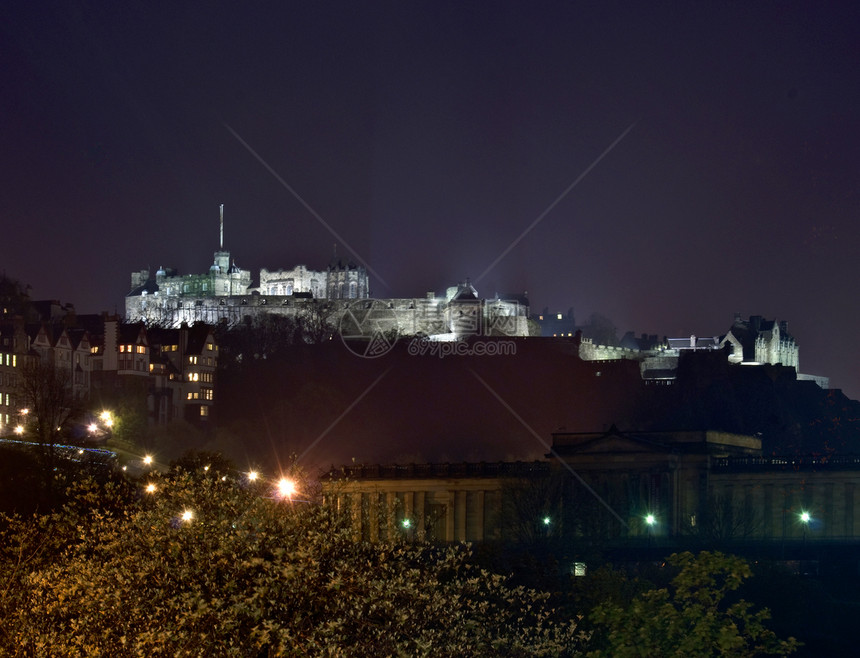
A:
x: 122, y: 571
x: 692, y: 617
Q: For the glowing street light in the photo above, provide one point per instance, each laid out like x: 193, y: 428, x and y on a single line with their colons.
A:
x: 106, y: 418
x: 252, y: 476
x: 147, y: 460
x: 805, y: 517
x: 93, y: 428
x: 547, y: 520
x: 151, y: 488
x: 286, y: 488
x: 187, y: 515
x: 406, y: 523
x: 19, y: 430
x: 650, y: 521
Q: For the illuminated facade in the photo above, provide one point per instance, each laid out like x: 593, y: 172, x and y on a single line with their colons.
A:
x: 340, y: 293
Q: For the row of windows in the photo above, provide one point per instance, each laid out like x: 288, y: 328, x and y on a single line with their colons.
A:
x: 204, y: 394
x: 140, y: 349
x: 10, y: 360
x: 206, y: 377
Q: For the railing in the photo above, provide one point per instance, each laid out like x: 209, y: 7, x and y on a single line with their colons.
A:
x: 787, y: 463
x: 460, y: 469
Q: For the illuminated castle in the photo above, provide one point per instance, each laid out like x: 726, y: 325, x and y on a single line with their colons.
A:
x: 226, y: 294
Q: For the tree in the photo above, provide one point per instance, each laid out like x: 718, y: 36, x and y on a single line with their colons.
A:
x: 207, y: 566
x: 724, y: 520
x: 314, y: 322
x: 48, y: 396
x: 691, y: 617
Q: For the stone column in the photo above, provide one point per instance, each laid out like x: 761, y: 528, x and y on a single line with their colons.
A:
x: 460, y: 503
x: 479, y: 517
x: 449, y: 517
x: 356, y: 516
x: 390, y: 515
x: 373, y: 516
x: 409, y: 512
x: 420, y: 517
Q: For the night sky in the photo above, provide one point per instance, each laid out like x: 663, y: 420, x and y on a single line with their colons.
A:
x: 429, y: 136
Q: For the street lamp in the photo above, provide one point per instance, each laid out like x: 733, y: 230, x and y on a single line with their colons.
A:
x: 650, y: 521
x: 805, y: 519
x: 286, y: 488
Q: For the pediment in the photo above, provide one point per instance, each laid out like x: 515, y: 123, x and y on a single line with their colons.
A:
x: 617, y: 444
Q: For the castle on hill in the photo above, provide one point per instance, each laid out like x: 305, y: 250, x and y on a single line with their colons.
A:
x: 228, y: 294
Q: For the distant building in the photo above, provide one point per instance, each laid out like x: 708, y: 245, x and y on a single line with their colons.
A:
x: 752, y: 342
x: 557, y: 325
x: 340, y: 292
x: 758, y: 341
x: 631, y: 490
x: 172, y: 369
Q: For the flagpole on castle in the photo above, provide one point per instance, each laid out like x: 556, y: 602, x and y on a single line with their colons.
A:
x: 222, y: 228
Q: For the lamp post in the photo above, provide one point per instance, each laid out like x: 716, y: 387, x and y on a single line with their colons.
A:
x: 805, y: 519
x: 650, y: 521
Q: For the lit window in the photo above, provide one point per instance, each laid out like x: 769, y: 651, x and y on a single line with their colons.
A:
x: 210, y: 347
x: 141, y: 349
x: 204, y: 411
x: 193, y: 376
x: 122, y: 348
x: 192, y: 360
x: 559, y: 316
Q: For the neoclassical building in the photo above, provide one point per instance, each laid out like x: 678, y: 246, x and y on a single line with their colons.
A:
x: 629, y: 490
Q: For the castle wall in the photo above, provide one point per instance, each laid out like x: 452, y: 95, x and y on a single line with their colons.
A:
x: 357, y: 318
